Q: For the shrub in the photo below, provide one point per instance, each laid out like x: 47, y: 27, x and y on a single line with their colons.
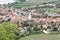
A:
x: 7, y: 31
x: 37, y: 29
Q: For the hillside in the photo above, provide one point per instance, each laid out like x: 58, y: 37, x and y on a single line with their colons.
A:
x: 41, y: 1
x: 34, y: 2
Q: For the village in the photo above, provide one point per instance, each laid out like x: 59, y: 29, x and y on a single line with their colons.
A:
x: 20, y: 15
x: 33, y: 19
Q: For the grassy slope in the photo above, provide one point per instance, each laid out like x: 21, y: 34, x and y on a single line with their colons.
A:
x: 42, y: 37
x: 25, y: 4
x: 51, y: 9
x: 33, y: 2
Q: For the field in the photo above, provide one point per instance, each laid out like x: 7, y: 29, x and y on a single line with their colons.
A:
x: 42, y: 37
x: 33, y: 2
x: 25, y: 4
x: 57, y: 10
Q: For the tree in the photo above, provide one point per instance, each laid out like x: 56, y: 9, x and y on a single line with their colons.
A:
x: 7, y: 31
x: 20, y: 1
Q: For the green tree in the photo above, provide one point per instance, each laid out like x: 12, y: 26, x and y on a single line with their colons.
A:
x: 20, y: 1
x: 7, y: 31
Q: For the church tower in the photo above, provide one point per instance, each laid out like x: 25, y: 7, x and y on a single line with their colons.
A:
x: 29, y: 16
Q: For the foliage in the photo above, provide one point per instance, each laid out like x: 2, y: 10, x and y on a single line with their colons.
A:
x: 28, y: 23
x: 21, y: 0
x: 7, y: 31
x: 37, y: 29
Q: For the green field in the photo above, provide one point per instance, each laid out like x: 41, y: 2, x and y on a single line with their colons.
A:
x: 25, y: 4
x: 33, y: 2
x: 42, y: 37
x: 57, y: 10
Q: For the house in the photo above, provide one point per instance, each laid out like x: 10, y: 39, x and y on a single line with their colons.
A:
x: 50, y: 5
x: 50, y: 14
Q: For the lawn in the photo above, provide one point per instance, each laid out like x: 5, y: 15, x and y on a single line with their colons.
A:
x: 42, y: 37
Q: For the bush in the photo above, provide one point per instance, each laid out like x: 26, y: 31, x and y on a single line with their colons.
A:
x: 7, y: 31
x: 37, y: 29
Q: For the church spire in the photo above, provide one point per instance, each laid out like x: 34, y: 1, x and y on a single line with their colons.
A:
x: 29, y: 16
